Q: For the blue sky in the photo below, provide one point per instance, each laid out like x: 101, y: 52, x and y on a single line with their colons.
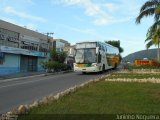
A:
x: 81, y: 20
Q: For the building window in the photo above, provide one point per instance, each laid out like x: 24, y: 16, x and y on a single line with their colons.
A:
x: 29, y: 46
x: 43, y: 47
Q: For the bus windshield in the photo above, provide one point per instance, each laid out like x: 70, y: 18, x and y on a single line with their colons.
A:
x: 85, y: 55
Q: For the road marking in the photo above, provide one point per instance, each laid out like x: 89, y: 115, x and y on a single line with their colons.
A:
x: 32, y: 81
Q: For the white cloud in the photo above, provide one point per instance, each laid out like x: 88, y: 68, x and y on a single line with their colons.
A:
x: 105, y: 13
x: 90, y: 32
x: 11, y: 10
x: 99, y: 11
x: 111, y: 7
x: 30, y: 2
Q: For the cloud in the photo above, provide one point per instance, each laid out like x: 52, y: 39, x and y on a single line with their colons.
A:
x: 105, y: 13
x: 30, y: 2
x: 11, y: 10
x: 111, y: 7
x: 87, y: 31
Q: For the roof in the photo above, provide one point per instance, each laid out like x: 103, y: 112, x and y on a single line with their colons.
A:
x: 22, y: 30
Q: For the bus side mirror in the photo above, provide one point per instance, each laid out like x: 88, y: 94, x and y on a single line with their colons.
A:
x: 97, y: 50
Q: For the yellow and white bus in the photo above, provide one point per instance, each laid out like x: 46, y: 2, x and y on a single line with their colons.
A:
x: 95, y: 57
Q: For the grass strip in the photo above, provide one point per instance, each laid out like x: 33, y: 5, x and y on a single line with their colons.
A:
x: 103, y: 98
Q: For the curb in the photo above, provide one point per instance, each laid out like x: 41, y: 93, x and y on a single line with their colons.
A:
x: 23, y: 109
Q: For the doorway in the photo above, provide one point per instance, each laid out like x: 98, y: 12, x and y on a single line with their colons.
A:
x: 28, y: 63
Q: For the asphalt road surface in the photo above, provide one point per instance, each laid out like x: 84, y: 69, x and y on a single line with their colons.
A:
x: 25, y: 91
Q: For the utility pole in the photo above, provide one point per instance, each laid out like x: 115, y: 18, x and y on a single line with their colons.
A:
x: 49, y: 33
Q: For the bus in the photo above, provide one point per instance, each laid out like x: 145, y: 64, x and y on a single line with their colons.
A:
x: 95, y: 57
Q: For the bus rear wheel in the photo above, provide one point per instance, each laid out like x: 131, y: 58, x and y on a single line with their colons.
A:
x: 115, y: 66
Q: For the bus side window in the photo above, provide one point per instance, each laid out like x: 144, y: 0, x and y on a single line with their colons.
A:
x: 103, y: 49
x: 100, y: 47
x: 106, y: 49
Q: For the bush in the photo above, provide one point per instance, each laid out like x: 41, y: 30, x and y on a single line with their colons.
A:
x: 53, y: 66
x: 56, y: 62
x: 58, y: 56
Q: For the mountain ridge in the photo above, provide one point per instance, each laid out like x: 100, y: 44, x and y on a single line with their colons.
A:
x: 150, y: 54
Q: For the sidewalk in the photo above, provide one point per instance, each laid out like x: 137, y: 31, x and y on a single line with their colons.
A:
x: 18, y: 75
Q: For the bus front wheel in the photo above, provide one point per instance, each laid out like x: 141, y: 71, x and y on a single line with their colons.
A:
x: 103, y: 68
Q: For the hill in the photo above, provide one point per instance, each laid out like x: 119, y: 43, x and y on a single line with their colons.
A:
x: 150, y: 54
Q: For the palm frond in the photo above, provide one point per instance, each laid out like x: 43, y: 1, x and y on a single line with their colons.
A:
x: 153, y: 35
x: 145, y: 13
x: 157, y: 17
x: 149, y: 44
x: 148, y: 4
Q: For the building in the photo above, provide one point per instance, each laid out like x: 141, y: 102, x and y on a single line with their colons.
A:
x: 21, y: 49
x: 70, y: 59
x: 60, y: 44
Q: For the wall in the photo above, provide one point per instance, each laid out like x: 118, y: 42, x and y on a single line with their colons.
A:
x: 10, y: 65
x: 40, y: 60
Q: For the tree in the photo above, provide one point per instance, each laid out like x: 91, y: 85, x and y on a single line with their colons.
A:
x: 115, y: 44
x: 56, y: 62
x: 149, y: 8
x: 58, y: 56
x: 153, y: 37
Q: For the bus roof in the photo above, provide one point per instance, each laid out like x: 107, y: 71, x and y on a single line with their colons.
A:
x: 92, y: 41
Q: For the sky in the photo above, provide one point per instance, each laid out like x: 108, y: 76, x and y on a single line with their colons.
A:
x: 81, y: 20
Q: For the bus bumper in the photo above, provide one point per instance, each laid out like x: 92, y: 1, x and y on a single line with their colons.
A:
x: 87, y: 69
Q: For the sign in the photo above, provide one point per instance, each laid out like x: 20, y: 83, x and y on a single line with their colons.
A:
x: 143, y: 62
x: 22, y: 51
x: 9, y: 35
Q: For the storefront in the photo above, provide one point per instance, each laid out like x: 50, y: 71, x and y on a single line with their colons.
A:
x: 14, y: 60
x: 21, y: 49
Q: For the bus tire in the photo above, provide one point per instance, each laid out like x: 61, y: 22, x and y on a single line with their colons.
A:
x: 115, y: 66
x: 83, y: 72
x: 103, y: 69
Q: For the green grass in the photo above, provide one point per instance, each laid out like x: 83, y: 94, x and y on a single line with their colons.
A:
x: 105, y: 98
x: 133, y: 75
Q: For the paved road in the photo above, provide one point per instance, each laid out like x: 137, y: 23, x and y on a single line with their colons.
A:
x: 23, y: 91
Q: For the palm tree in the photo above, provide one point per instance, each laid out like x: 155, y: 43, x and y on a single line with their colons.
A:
x: 153, y: 37
x: 150, y: 8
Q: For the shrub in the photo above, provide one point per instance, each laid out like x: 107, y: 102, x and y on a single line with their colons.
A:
x: 58, y: 56
x: 54, y: 66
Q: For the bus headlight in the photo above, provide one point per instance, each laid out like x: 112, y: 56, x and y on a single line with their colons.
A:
x: 94, y: 64
x: 75, y: 65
